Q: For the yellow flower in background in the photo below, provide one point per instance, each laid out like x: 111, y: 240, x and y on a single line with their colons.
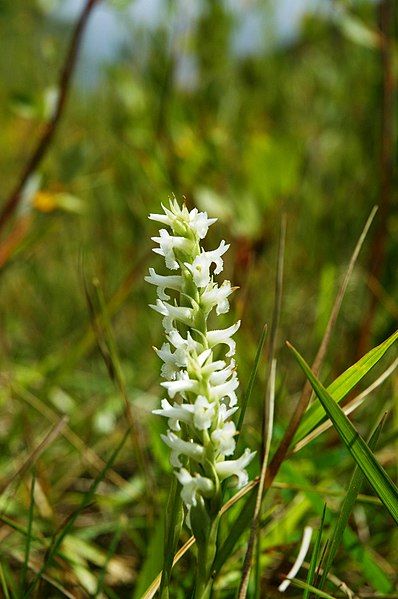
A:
x: 45, y: 201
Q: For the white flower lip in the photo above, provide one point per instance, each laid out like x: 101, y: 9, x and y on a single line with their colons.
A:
x: 181, y: 447
x: 224, y: 336
x: 168, y: 244
x: 172, y: 313
x: 217, y: 296
x: 191, y: 485
x: 164, y: 282
x: 223, y: 437
x: 204, y: 412
x: 200, y: 267
x: 178, y: 341
x: 175, y: 413
x: 179, y: 386
x: 236, y: 467
x: 172, y: 361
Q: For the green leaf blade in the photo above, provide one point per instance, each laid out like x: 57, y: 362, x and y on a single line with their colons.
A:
x: 346, y: 508
x: 374, y: 472
x: 253, y: 375
x: 315, y: 557
x: 340, y: 388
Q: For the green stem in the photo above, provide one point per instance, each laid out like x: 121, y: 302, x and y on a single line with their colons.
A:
x: 173, y: 525
x: 206, y: 555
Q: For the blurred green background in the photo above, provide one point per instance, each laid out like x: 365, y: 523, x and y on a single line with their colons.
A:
x: 250, y: 110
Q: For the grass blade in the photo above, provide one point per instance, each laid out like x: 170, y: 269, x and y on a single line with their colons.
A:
x: 374, y: 472
x: 238, y: 527
x: 268, y: 409
x: 347, y: 506
x: 173, y: 525
x: 315, y: 556
x: 349, y: 407
x: 87, y: 498
x: 247, y: 395
x: 303, y: 585
x: 154, y: 586
x: 4, y: 583
x: 343, y: 385
x: 360, y: 553
x: 153, y: 561
x: 111, y: 551
x: 28, y: 535
x: 107, y: 346
x: 296, y: 419
x: 254, y: 529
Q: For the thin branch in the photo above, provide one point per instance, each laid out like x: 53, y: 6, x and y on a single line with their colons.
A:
x: 275, y: 321
x: 268, y: 416
x: 387, y: 12
x: 50, y: 127
x: 247, y: 564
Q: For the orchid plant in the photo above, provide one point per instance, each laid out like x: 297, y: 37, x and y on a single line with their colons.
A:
x: 200, y: 375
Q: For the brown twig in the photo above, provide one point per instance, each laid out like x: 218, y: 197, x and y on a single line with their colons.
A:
x: 14, y: 239
x: 268, y: 416
x: 50, y: 126
x: 386, y: 168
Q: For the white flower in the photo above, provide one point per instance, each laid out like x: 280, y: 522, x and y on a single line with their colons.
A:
x: 173, y: 361
x: 165, y: 219
x: 196, y: 363
x: 223, y: 437
x: 223, y: 374
x: 236, y: 468
x: 168, y: 243
x: 224, y: 413
x: 226, y: 389
x: 175, y: 413
x: 185, y: 345
x: 180, y: 385
x: 172, y: 313
x: 200, y: 270
x: 180, y: 219
x: 191, y: 485
x: 180, y: 447
x: 200, y: 222
x: 200, y: 267
x: 203, y: 413
x: 211, y: 367
x: 200, y: 414
x: 223, y: 336
x: 164, y: 282
x: 217, y: 296
x: 203, y: 357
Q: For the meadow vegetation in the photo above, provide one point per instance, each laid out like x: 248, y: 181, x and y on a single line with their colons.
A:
x: 290, y: 147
